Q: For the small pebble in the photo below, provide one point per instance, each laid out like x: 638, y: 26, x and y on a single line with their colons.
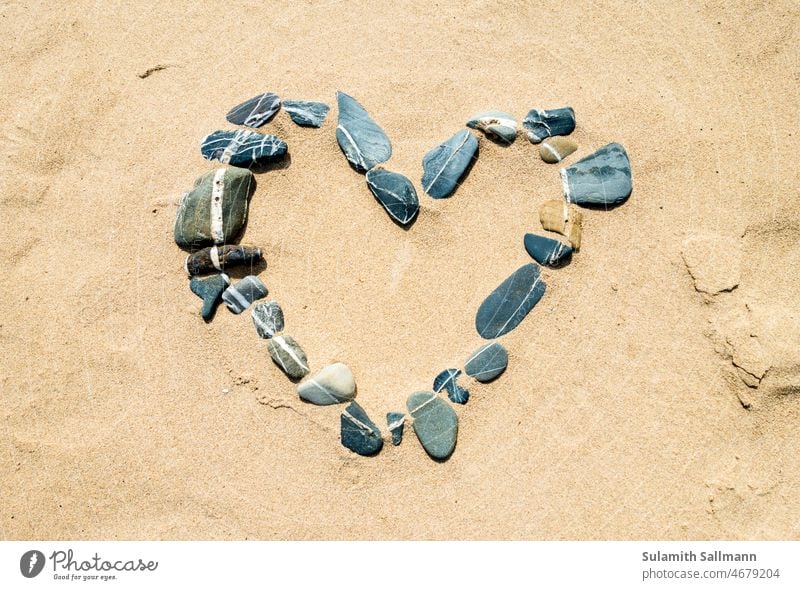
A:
x: 601, y: 179
x: 507, y: 306
x: 287, y: 354
x: 558, y: 216
x: 364, y: 143
x: 306, y: 113
x: 332, y: 385
x: 359, y: 433
x: 542, y: 124
x: 395, y: 192
x: 210, y: 291
x: 256, y: 111
x: 497, y: 125
x: 238, y: 297
x: 435, y: 423
x: 268, y: 318
x: 219, y: 258
x: 547, y: 251
x: 243, y: 148
x: 395, y: 422
x: 447, y: 380
x: 444, y: 165
x: 556, y: 149
x: 487, y: 363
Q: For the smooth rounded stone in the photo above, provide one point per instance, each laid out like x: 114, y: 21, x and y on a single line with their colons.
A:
x: 556, y: 149
x: 238, y: 297
x: 601, y: 179
x: 219, y: 258
x: 215, y: 210
x: 268, y: 318
x: 558, y: 216
x: 547, y: 251
x: 507, y: 306
x: 487, y: 363
x: 542, y: 124
x: 332, y: 385
x: 497, y: 125
x: 395, y: 192
x: 256, y: 111
x: 444, y: 165
x: 359, y: 433
x: 210, y: 291
x: 287, y: 354
x: 396, y: 421
x: 364, y: 143
x: 306, y: 113
x: 243, y: 148
x: 435, y: 423
x: 447, y: 380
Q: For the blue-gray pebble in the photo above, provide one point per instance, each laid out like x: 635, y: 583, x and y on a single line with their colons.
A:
x: 238, y: 297
x: 497, y: 125
x: 268, y: 318
x: 487, y: 363
x: 542, y: 124
x: 601, y: 179
x: 447, y: 380
x: 395, y: 421
x: 395, y: 192
x: 547, y: 251
x: 210, y: 291
x: 435, y: 423
x: 507, y: 306
x: 243, y: 148
x: 359, y: 433
x: 306, y: 113
x: 444, y: 165
x: 256, y: 111
x: 364, y: 143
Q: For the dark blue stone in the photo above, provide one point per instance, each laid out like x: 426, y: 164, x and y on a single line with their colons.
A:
x: 542, y: 124
x: 396, y: 421
x: 444, y: 165
x: 359, y: 433
x: 395, y: 192
x: 447, y: 380
x: 547, y: 251
x: 210, y: 291
x: 601, y: 179
x: 256, y: 111
x: 507, y: 306
x: 243, y: 148
x: 364, y: 143
x: 486, y: 363
x: 306, y: 113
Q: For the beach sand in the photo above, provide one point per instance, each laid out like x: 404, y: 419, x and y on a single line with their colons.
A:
x: 635, y: 406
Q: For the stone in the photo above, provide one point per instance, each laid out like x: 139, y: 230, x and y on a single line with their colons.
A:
x: 542, y: 124
x: 306, y: 113
x: 714, y: 262
x: 215, y: 210
x: 602, y: 179
x: 256, y: 111
x: 507, y: 306
x: 556, y: 149
x: 445, y: 164
x: 210, y: 291
x: 435, y: 423
x: 447, y: 380
x: 395, y: 421
x: 332, y: 385
x: 243, y: 148
x: 218, y: 258
x: 395, y: 192
x: 487, y: 363
x: 497, y: 125
x: 364, y: 143
x: 558, y: 216
x: 287, y: 354
x: 268, y: 318
x: 547, y: 251
x: 359, y: 433
x: 238, y: 297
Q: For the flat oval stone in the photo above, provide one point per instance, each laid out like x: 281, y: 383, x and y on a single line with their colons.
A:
x: 256, y: 111
x: 497, y: 125
x: 332, y: 385
x: 542, y: 124
x: 444, y: 165
x: 359, y: 433
x: 435, y: 423
x: 306, y: 113
x: 507, y: 306
x: 364, y: 143
x: 446, y: 380
x: 243, y: 148
x: 395, y: 421
x: 487, y: 363
x: 210, y: 291
x: 395, y: 192
x: 287, y: 354
x: 603, y: 178
x: 547, y: 251
x: 268, y: 318
x: 238, y: 297
x: 215, y: 210
x: 556, y: 149
x: 221, y: 257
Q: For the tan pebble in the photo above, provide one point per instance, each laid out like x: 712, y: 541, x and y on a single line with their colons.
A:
x: 556, y: 215
x: 556, y: 149
x: 575, y: 224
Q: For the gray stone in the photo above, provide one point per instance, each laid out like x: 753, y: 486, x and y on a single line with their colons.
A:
x: 445, y: 164
x: 507, y: 306
x: 359, y: 433
x: 364, y: 143
x: 497, y: 125
x: 256, y: 111
x: 287, y: 354
x: 395, y: 422
x: 268, y: 318
x: 542, y: 124
x: 547, y: 251
x: 435, y: 423
x: 210, y: 291
x: 556, y: 149
x: 243, y: 148
x: 332, y: 385
x: 306, y: 113
x: 238, y: 297
x: 601, y: 179
x: 487, y: 363
x: 446, y: 380
x: 395, y: 192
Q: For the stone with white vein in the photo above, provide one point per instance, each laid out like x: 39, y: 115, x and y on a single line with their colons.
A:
x: 334, y: 384
x: 358, y: 432
x: 395, y: 192
x: 497, y: 125
x: 364, y: 143
x: 435, y: 423
x: 243, y: 148
x: 487, y: 363
x: 238, y: 297
x: 267, y: 318
x: 287, y: 354
x: 256, y: 111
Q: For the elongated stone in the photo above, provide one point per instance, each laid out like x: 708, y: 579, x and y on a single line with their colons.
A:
x: 364, y: 143
x: 238, y: 297
x: 487, y: 363
x: 601, y: 179
x: 542, y: 124
x: 395, y: 192
x: 359, y: 433
x: 210, y: 291
x: 268, y: 318
x: 507, y: 306
x: 444, y: 165
x: 306, y: 113
x: 256, y: 111
x: 547, y: 251
x: 218, y: 258
x: 497, y: 125
x: 287, y: 354
x: 215, y: 210
x: 395, y: 421
x: 332, y: 385
x: 435, y: 423
x: 446, y: 380
x: 559, y: 216
x: 243, y: 148
x: 556, y: 149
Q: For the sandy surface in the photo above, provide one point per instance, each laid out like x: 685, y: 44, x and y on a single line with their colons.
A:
x: 625, y: 412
